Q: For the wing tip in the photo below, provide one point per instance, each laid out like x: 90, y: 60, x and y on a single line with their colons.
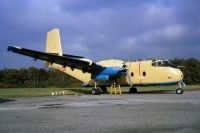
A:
x: 11, y: 48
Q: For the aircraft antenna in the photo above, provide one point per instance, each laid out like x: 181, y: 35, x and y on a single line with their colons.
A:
x: 126, y: 68
x: 129, y: 60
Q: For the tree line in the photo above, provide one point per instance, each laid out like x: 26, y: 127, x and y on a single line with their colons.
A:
x: 190, y: 68
x: 40, y: 77
x: 35, y: 78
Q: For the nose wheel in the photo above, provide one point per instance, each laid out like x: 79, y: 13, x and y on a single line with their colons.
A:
x: 179, y: 89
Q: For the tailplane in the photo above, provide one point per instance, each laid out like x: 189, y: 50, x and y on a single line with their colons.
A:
x: 53, y: 44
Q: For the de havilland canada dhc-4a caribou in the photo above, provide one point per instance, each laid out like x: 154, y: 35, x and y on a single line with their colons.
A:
x: 105, y: 73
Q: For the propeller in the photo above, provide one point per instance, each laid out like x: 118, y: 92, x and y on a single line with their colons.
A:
x: 126, y: 69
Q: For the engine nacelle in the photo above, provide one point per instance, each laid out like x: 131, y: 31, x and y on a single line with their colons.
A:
x: 108, y: 72
x: 102, y: 77
x: 111, y: 71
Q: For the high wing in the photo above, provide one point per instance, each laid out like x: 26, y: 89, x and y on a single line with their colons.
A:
x: 71, y: 61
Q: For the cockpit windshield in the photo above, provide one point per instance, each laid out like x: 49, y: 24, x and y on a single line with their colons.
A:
x: 162, y: 63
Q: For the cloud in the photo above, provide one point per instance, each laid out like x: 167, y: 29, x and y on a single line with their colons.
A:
x: 158, y: 12
x: 102, y: 29
x: 170, y: 32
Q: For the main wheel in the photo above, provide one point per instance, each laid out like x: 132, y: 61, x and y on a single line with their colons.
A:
x: 96, y: 91
x: 179, y: 91
x: 133, y: 90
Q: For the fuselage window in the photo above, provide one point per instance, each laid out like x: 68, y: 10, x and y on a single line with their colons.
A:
x: 144, y: 73
x: 159, y: 63
x: 132, y: 74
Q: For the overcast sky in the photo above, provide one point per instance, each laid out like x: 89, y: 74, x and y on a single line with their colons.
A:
x: 101, y: 29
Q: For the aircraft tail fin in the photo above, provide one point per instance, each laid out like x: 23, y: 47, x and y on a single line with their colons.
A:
x: 53, y: 43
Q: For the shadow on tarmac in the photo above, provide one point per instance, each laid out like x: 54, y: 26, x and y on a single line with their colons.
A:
x: 158, y: 92
x: 4, y: 100
x: 88, y: 92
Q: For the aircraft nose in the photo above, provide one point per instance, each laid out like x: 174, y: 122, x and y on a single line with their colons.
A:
x: 180, y: 74
x: 177, y: 74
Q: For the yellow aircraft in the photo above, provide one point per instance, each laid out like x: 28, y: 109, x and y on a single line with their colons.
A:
x: 107, y: 72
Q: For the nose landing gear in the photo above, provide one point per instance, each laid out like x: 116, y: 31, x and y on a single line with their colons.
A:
x: 179, y: 89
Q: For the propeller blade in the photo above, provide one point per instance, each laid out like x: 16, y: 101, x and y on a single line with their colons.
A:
x: 126, y: 69
x: 129, y: 78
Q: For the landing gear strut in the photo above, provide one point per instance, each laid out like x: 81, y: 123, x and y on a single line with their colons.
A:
x: 179, y: 89
x: 133, y: 90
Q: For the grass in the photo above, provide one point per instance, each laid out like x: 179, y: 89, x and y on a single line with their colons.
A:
x: 36, y: 92
x: 32, y: 92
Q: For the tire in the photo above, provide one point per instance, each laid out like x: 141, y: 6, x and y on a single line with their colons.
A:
x: 133, y: 90
x: 95, y: 91
x: 98, y: 91
x: 179, y: 91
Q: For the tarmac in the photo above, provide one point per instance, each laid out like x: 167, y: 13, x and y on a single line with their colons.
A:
x: 139, y: 113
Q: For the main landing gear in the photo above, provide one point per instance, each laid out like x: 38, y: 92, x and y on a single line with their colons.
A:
x: 96, y: 90
x: 179, y: 89
x: 99, y: 90
x: 103, y: 90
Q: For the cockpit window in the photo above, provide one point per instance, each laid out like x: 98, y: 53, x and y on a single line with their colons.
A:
x: 159, y: 63
x: 154, y: 63
x: 163, y: 63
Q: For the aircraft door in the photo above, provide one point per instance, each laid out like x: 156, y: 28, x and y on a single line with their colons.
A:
x: 144, y: 68
x: 134, y: 72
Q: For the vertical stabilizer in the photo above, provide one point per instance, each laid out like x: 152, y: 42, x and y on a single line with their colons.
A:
x: 53, y: 44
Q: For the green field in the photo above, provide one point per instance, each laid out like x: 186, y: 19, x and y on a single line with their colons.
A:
x: 32, y: 92
x: 35, y: 92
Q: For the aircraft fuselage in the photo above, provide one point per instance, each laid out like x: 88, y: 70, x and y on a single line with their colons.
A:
x: 147, y: 72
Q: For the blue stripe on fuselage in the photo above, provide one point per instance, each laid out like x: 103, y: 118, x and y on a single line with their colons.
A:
x: 154, y: 84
